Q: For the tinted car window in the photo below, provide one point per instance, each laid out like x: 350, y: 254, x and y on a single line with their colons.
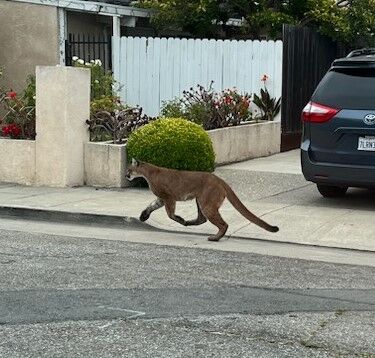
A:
x: 347, y: 88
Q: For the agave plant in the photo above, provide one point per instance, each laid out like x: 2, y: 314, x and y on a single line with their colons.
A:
x: 270, y: 107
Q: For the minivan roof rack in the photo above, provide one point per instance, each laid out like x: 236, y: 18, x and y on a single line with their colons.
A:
x: 362, y: 52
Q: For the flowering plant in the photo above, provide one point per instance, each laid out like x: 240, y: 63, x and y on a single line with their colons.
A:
x: 269, y: 107
x: 18, y: 122
x: 20, y: 109
x: 109, y: 118
x: 233, y: 107
x: 102, y: 81
x: 209, y: 108
x: 11, y: 130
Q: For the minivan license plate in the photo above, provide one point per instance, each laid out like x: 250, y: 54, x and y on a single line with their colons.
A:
x: 366, y: 143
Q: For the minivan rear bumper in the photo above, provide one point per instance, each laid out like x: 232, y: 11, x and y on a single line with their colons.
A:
x: 337, y: 174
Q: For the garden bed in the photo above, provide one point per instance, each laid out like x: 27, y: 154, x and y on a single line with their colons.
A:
x: 246, y: 141
x: 105, y: 162
x: 18, y: 164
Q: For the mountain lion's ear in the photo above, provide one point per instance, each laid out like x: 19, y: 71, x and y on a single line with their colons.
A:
x: 135, y: 162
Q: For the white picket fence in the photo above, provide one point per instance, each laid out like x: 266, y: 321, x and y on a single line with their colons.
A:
x: 153, y: 70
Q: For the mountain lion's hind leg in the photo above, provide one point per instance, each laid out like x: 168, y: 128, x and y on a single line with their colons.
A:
x: 199, y: 220
x: 210, y: 204
x: 157, y: 204
x: 170, y: 207
x: 216, y: 219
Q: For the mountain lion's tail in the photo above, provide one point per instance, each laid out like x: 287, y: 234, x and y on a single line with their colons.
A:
x: 236, y: 202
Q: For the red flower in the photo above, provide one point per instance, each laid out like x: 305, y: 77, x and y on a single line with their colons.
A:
x: 5, y: 131
x: 16, y: 131
x: 228, y: 100
x: 264, y: 78
x: 12, y: 94
x: 11, y: 130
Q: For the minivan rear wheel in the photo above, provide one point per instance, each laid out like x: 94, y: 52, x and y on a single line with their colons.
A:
x: 331, y: 191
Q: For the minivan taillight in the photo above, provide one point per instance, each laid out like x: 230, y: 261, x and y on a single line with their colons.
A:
x: 317, y: 113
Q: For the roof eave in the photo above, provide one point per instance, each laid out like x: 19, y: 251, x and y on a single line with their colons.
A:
x: 98, y: 8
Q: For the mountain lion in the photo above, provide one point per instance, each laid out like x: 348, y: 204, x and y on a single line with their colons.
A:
x: 207, y: 189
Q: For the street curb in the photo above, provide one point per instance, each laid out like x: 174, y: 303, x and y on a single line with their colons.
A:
x: 57, y: 216
x: 73, y: 217
x: 30, y: 213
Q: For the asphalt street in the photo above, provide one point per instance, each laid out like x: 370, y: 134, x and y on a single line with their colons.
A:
x: 69, y: 296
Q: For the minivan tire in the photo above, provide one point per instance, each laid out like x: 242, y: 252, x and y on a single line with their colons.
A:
x: 331, y: 191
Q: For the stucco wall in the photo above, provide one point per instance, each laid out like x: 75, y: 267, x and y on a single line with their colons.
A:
x: 55, y: 158
x: 61, y: 124
x: 18, y: 161
x: 28, y: 37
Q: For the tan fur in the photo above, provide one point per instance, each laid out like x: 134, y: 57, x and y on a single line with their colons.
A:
x: 209, y: 191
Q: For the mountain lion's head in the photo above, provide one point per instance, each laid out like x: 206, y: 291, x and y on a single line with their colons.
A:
x: 134, y: 170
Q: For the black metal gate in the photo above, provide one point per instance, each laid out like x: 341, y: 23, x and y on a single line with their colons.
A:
x: 89, y: 47
x: 307, y: 56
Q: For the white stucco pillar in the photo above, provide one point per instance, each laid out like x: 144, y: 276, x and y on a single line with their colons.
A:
x: 63, y: 33
x: 116, y: 26
x: 62, y: 107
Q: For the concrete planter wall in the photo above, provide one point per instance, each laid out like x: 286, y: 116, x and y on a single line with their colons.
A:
x: 105, y: 164
x: 55, y: 158
x: 233, y: 144
x: 62, y: 155
x: 18, y: 161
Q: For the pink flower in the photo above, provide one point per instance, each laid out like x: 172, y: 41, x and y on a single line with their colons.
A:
x: 264, y: 78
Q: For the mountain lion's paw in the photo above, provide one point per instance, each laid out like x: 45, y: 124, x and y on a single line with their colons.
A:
x: 144, y: 216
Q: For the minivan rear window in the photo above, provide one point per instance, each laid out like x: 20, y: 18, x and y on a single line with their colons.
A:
x: 347, y: 89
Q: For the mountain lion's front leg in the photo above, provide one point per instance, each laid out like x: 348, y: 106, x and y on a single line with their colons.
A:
x: 157, y: 204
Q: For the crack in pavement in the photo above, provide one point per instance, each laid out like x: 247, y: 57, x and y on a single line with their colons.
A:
x: 281, y: 192
x: 308, y: 342
x: 250, y: 223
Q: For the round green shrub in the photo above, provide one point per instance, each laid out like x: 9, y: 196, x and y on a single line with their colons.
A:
x: 172, y: 143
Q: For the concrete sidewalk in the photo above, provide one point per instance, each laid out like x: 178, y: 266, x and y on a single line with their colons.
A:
x: 271, y: 187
